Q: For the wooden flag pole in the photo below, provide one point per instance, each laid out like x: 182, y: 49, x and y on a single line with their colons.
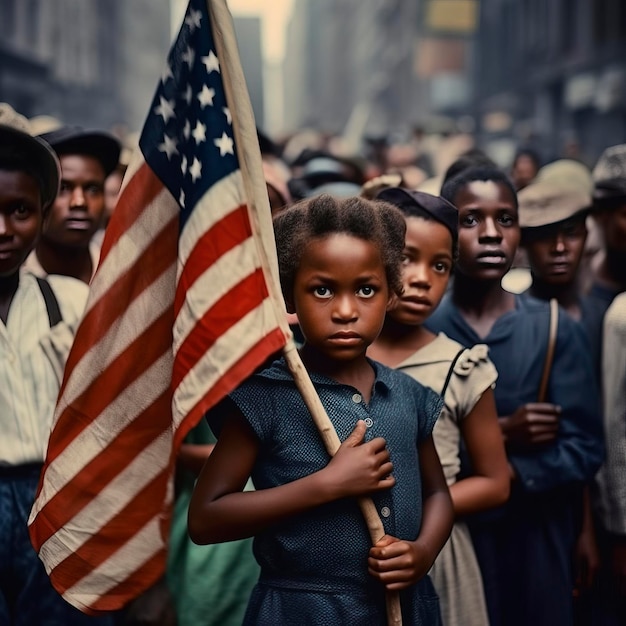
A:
x: 249, y: 155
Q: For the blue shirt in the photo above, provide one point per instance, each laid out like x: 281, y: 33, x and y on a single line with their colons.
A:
x: 518, y: 343
x: 324, y: 551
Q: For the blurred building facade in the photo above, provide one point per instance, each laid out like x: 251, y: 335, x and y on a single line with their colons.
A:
x: 377, y: 65
x: 89, y: 62
x: 551, y: 75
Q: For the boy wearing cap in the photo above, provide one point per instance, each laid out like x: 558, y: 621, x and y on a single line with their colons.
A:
x: 66, y: 246
x: 609, y: 212
x: 37, y: 320
x: 552, y: 217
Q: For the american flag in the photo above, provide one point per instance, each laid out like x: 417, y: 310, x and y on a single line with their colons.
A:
x: 182, y: 308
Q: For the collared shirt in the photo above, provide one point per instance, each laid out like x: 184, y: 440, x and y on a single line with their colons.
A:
x: 518, y: 342
x: 325, y: 549
x: 29, y: 381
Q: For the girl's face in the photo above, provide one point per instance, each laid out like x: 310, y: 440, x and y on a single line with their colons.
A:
x: 426, y: 270
x: 340, y: 295
x: 489, y: 232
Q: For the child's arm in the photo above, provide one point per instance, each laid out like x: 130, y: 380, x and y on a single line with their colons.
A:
x: 490, y: 482
x: 220, y: 511
x: 398, y: 563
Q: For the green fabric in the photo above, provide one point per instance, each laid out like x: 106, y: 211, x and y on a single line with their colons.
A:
x: 210, y: 584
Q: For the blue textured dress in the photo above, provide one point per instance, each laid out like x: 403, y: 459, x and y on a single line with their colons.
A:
x: 314, y: 565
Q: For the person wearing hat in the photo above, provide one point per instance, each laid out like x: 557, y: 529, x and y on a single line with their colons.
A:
x: 37, y: 322
x: 553, y: 214
x: 463, y: 377
x: 552, y: 217
x: 608, y: 607
x: 65, y: 247
x: 553, y: 437
x: 609, y: 213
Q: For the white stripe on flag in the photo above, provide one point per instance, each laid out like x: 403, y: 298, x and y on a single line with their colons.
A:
x: 227, y: 272
x: 132, y: 244
x: 141, y: 547
x: 108, y: 503
x: 116, y: 416
x: 220, y: 200
x: 146, y: 308
x: 225, y: 352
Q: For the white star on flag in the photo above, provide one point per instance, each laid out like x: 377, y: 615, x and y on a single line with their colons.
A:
x: 188, y: 95
x: 181, y: 198
x: 168, y: 146
x: 165, y: 109
x: 183, y: 165
x: 211, y: 62
x: 195, y: 170
x: 225, y: 144
x: 187, y: 129
x: 206, y: 96
x: 199, y: 133
x: 188, y: 56
x: 229, y: 117
x: 193, y: 19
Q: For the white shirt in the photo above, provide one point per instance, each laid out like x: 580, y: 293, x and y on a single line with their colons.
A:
x: 29, y: 381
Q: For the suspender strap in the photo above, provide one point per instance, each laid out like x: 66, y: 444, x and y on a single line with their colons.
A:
x: 450, y: 372
x: 52, y: 304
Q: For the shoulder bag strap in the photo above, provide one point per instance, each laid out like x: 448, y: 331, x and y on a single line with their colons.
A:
x: 547, y: 366
x: 52, y: 304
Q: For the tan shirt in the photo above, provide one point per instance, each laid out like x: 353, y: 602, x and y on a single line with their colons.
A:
x: 473, y: 373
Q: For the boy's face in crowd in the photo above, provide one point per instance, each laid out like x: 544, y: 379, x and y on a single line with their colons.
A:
x: 426, y: 268
x: 555, y: 256
x: 21, y: 219
x: 341, y: 295
x: 489, y: 231
x: 78, y: 210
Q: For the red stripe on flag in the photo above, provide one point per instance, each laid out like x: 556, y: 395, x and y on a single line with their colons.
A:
x: 238, y: 372
x: 131, y: 363
x: 120, y: 452
x: 117, y: 532
x: 225, y: 313
x: 156, y: 259
x: 143, y: 577
x: 224, y: 235
x: 139, y: 193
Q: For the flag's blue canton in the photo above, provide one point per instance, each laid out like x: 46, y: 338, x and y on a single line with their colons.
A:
x: 188, y: 139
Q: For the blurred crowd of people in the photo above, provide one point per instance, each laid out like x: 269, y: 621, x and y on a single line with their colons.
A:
x: 529, y: 234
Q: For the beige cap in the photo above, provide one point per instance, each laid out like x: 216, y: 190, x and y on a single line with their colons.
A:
x: 569, y: 172
x: 544, y: 203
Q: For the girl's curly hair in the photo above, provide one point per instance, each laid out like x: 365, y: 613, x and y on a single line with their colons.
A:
x: 370, y: 220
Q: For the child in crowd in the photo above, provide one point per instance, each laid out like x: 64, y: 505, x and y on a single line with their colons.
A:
x: 340, y: 261
x: 554, y: 447
x: 463, y: 377
x: 37, y: 322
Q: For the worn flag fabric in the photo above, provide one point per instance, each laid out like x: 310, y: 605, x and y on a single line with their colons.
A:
x: 178, y: 315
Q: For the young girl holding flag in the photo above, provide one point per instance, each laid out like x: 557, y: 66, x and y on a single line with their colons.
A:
x: 339, y: 264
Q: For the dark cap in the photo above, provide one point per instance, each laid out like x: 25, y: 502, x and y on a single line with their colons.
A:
x: 74, y: 140
x: 609, y: 174
x: 437, y: 207
x: 17, y: 143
